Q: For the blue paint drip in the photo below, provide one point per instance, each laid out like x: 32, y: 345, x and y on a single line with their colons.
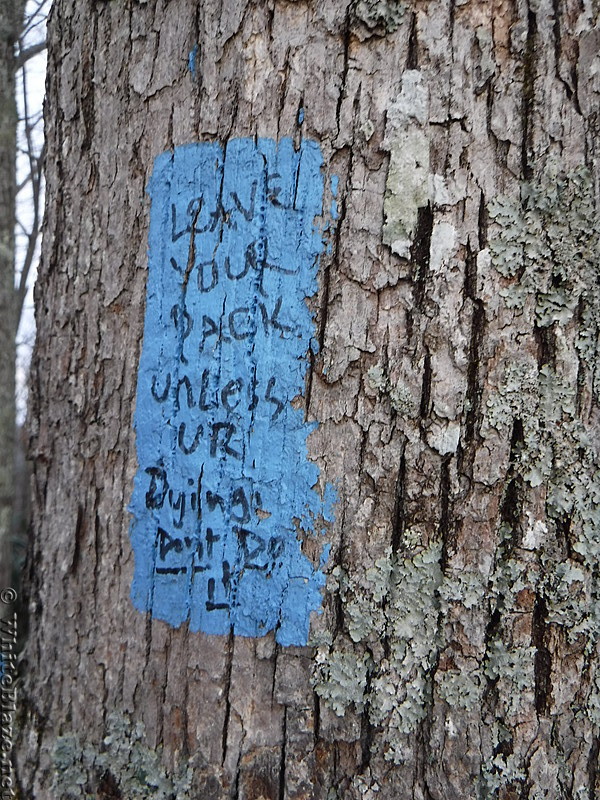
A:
x: 193, y: 59
x: 224, y: 484
x: 300, y: 116
x: 325, y: 554
x: 334, y: 183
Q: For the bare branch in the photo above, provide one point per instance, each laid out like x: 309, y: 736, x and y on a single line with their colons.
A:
x: 27, y: 54
x: 23, y: 230
x: 36, y: 18
x: 23, y: 184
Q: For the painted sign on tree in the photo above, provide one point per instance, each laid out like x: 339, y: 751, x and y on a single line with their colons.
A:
x: 225, y: 487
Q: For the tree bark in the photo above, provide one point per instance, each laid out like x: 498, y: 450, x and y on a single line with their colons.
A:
x: 454, y: 391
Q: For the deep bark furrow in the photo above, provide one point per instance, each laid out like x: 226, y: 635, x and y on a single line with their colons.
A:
x: 593, y: 768
x: 420, y: 253
x: 282, y: 761
x: 424, y: 407
x: 446, y: 525
x: 543, y: 659
x: 398, y: 521
x: 227, y: 690
x: 474, y: 378
x: 528, y: 96
x: 412, y: 56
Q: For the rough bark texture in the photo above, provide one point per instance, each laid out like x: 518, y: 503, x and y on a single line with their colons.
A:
x: 11, y: 22
x: 455, y: 389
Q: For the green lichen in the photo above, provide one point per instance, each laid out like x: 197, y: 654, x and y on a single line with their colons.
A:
x: 466, y: 588
x: 133, y: 767
x: 513, y: 666
x: 366, y: 785
x: 502, y: 771
x: 515, y: 391
x: 510, y: 577
x: 570, y: 604
x: 461, y: 688
x: 70, y: 774
x: 592, y: 707
x: 545, y: 247
x: 402, y: 401
x: 556, y: 449
x: 377, y: 378
x: 364, y: 601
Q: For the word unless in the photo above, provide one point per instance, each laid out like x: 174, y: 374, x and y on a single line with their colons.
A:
x: 209, y: 396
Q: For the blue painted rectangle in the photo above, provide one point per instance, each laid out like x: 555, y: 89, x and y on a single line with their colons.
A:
x: 224, y: 486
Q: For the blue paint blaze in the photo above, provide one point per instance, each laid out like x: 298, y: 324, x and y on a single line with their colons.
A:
x: 225, y: 487
x: 192, y: 59
x: 334, y: 183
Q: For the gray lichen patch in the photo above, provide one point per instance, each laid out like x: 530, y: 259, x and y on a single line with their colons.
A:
x: 556, y: 449
x: 396, y: 601
x: 501, y: 771
x: 123, y: 761
x: 465, y: 587
x: 380, y: 16
x: 366, y: 785
x: 400, y: 396
x: 401, y: 652
x: 555, y: 453
x: 341, y: 678
x: 460, y: 688
x: 547, y: 245
x: 408, y: 181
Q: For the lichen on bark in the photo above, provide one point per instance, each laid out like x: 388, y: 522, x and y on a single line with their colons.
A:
x: 392, y: 615
x: 122, y: 765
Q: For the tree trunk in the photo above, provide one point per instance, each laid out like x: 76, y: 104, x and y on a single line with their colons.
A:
x: 422, y: 177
